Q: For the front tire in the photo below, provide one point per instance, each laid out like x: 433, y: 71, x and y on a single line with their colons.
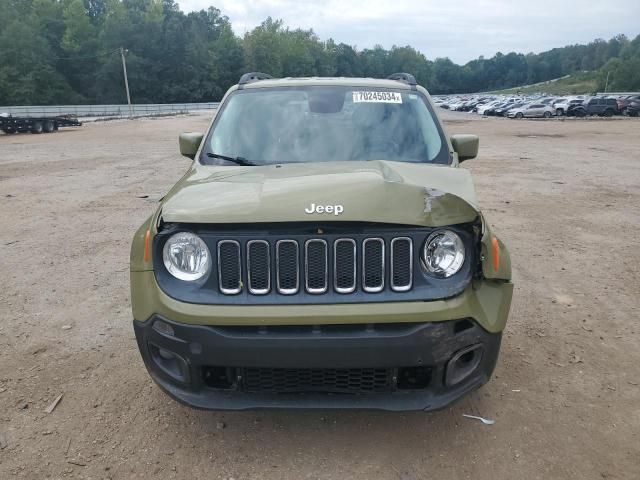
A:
x: 519, y: 115
x: 546, y: 114
x: 559, y: 112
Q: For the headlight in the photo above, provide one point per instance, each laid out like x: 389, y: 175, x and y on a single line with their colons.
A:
x: 443, y: 253
x: 186, y: 256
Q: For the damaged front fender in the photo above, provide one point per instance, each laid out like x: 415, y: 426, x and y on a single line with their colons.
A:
x: 496, y: 261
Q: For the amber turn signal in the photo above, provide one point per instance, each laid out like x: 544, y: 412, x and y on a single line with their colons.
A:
x: 147, y: 236
x: 495, y: 253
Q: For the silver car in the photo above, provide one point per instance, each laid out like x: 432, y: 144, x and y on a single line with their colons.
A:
x: 532, y: 110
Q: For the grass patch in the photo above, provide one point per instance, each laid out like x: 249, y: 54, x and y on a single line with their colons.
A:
x: 576, y: 84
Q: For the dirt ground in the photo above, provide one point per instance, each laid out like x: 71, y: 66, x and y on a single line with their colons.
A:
x: 563, y: 195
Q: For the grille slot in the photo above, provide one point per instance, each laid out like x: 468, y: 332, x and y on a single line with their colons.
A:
x: 373, y: 265
x: 258, y: 267
x: 316, y: 265
x: 288, y: 267
x: 310, y: 380
x: 229, y: 267
x: 344, y: 265
x: 401, y: 264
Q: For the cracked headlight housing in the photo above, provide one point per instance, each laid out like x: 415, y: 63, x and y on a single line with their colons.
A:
x: 186, y: 256
x: 443, y: 253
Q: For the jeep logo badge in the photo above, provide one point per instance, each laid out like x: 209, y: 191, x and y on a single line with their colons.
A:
x: 335, y: 209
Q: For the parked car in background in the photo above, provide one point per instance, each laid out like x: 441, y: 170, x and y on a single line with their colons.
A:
x: 478, y: 105
x: 470, y: 105
x: 625, y: 101
x: 491, y: 109
x: 501, y: 106
x: 503, y: 110
x: 464, y: 106
x: 531, y: 110
x: 562, y: 104
x: 632, y: 109
x: 572, y: 105
x: 483, y: 108
x: 604, y: 107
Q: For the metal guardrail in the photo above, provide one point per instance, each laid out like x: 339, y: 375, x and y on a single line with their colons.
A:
x: 105, y: 110
x: 618, y: 93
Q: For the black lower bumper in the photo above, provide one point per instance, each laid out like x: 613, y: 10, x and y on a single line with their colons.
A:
x: 405, y: 366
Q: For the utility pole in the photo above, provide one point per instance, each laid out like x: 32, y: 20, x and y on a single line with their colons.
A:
x: 126, y: 80
x: 606, y: 85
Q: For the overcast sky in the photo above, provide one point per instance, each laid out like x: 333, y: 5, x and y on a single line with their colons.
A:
x: 458, y: 29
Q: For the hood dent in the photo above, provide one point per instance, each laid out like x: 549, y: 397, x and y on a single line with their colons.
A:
x: 375, y: 191
x: 430, y: 194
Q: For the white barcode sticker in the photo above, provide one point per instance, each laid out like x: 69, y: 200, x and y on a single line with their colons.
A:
x: 376, y: 97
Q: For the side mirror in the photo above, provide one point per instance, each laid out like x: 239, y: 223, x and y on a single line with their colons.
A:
x: 189, y: 143
x: 465, y: 145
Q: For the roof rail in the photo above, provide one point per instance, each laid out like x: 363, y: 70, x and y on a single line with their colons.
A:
x: 253, y: 77
x: 403, y: 77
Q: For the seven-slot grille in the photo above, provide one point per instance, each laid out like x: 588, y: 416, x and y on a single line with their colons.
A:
x: 315, y: 265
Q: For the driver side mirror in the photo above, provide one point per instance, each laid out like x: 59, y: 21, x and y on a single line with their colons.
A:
x: 189, y: 143
x: 466, y: 146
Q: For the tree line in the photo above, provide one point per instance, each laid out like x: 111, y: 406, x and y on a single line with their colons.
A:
x: 67, y: 51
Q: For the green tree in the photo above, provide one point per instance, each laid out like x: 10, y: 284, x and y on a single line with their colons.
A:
x: 623, y: 71
x: 347, y: 61
x: 26, y: 75
x: 63, y: 51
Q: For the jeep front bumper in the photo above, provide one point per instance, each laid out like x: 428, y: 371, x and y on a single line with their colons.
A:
x: 398, y: 366
x: 389, y: 356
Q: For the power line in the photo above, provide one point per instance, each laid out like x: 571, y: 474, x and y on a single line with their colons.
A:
x: 121, y: 51
x: 87, y: 56
x: 83, y: 57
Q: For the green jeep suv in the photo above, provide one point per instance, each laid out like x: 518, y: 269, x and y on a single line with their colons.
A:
x: 323, y: 250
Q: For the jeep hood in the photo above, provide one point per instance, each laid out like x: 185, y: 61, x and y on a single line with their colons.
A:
x: 373, y: 191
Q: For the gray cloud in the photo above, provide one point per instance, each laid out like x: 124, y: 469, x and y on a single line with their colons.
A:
x: 461, y: 29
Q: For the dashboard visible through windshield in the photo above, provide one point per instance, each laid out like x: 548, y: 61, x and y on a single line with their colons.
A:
x: 324, y: 124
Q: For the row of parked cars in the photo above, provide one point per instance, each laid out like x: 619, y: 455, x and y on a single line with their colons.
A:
x: 540, y: 106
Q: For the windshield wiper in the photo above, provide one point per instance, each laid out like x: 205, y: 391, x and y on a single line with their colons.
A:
x: 237, y: 160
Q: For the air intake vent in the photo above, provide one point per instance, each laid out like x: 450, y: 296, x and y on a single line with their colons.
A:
x: 373, y: 265
x: 401, y: 264
x: 288, y: 267
x: 316, y: 266
x: 299, y: 380
x: 229, y: 267
x: 344, y: 265
x: 258, y: 267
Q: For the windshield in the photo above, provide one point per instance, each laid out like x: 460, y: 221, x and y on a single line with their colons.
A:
x: 322, y: 124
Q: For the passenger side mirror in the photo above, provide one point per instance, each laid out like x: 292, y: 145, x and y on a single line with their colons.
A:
x: 189, y: 143
x: 465, y: 145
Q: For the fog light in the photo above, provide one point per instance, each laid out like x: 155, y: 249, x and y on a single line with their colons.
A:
x: 167, y: 355
x: 163, y: 327
x: 463, y: 364
x: 170, y: 363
